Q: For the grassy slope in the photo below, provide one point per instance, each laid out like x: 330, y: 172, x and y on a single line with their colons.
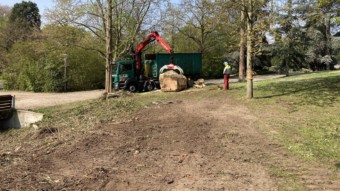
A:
x: 302, y: 111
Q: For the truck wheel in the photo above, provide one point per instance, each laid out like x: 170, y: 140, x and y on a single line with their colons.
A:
x: 158, y: 85
x: 150, y: 86
x: 133, y: 87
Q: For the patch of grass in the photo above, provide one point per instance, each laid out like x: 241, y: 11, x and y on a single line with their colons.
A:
x: 288, y: 180
x: 70, y: 121
x: 337, y: 165
x: 303, y: 109
x: 89, y: 113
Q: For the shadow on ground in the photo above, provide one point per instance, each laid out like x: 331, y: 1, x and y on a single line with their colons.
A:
x: 317, y: 91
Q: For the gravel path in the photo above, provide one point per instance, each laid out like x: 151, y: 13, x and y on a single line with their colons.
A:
x: 30, y: 100
x: 235, y: 79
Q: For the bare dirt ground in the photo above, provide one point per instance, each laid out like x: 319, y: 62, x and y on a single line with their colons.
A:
x: 180, y: 145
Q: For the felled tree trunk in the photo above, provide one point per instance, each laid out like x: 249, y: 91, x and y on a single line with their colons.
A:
x: 171, y: 81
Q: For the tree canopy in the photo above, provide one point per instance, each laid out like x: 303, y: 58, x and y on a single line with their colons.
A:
x: 25, y: 14
x: 281, y: 36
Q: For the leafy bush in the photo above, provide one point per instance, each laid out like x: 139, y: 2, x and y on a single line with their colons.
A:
x: 35, y: 66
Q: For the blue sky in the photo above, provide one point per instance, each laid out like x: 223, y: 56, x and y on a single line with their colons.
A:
x: 42, y: 4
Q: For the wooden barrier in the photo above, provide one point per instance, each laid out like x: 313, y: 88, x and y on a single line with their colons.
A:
x: 7, y: 106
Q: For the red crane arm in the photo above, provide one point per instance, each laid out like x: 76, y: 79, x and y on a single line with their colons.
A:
x: 152, y: 37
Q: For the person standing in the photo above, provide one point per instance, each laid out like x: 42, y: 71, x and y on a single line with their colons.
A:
x: 226, y: 73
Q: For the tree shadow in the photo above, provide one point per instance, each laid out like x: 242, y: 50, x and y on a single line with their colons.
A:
x: 337, y: 165
x: 3, y: 130
x: 317, y: 91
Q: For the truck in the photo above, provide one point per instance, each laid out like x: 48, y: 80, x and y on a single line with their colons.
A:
x: 139, y: 74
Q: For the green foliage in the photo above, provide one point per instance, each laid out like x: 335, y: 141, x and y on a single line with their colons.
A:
x: 26, y: 15
x: 40, y: 66
x: 213, y: 68
x: 4, y: 14
x: 207, y: 27
x: 184, y: 44
x: 320, y: 22
x: 31, y: 69
x: 86, y: 70
x: 22, y: 24
x: 287, y: 57
x: 288, y: 52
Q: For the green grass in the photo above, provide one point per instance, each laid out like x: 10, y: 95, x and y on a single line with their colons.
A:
x: 289, y: 180
x: 303, y: 110
x: 87, y: 114
x: 300, y: 111
x: 70, y: 121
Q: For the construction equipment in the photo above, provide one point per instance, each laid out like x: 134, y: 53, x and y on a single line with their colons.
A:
x: 136, y: 75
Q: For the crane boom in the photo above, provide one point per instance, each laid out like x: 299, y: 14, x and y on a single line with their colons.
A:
x: 152, y: 37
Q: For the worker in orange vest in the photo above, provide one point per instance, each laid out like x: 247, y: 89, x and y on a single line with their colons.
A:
x: 226, y: 73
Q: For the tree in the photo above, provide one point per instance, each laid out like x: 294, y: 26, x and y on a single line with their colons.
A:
x: 4, y: 14
x: 115, y: 23
x: 242, y: 45
x: 201, y: 21
x: 39, y: 65
x: 25, y: 15
x: 322, y: 16
x: 204, y: 26
x: 198, y: 14
x: 108, y: 39
x: 251, y: 9
x: 289, y: 48
x: 24, y: 21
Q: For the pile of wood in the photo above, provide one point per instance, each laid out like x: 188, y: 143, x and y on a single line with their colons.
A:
x: 171, y: 81
x: 200, y: 83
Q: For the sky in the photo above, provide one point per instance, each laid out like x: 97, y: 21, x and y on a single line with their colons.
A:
x: 42, y: 4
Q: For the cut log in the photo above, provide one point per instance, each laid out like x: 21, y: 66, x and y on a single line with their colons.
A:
x: 171, y: 81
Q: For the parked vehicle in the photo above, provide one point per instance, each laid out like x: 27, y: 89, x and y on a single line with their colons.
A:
x: 137, y: 75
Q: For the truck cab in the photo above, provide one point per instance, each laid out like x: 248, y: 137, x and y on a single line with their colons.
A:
x: 122, y: 73
x: 124, y: 77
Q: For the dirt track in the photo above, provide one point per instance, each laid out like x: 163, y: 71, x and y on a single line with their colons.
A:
x: 30, y: 100
x: 184, y: 144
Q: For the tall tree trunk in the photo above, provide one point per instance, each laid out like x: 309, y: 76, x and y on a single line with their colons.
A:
x: 108, y: 39
x: 289, y: 34
x: 328, y: 38
x: 242, y: 43
x: 250, y: 50
x: 287, y: 65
